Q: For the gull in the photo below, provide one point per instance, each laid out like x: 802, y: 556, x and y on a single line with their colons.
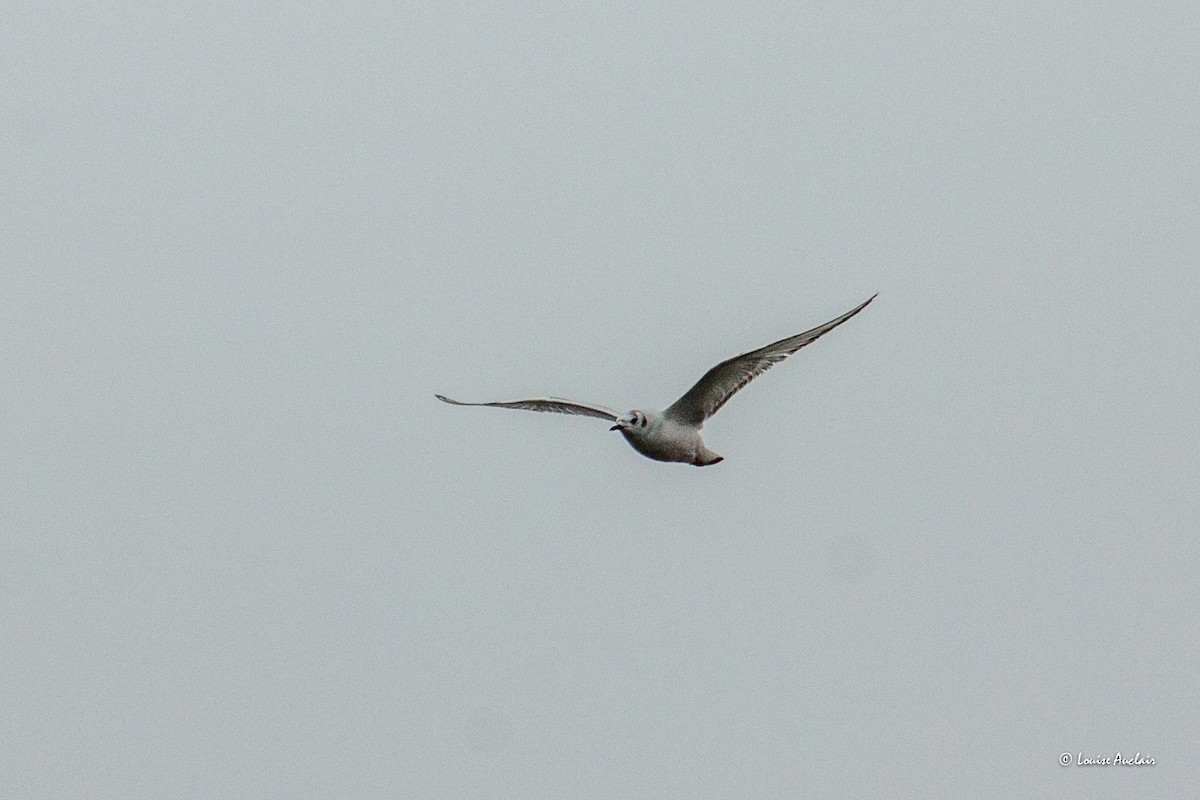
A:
x: 673, y: 434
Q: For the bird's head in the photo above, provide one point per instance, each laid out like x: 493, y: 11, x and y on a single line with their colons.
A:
x: 632, y: 420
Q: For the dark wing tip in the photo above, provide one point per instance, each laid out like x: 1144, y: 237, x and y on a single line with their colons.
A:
x: 445, y: 399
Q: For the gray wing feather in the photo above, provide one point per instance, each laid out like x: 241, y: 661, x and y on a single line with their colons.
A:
x: 724, y: 380
x: 556, y: 405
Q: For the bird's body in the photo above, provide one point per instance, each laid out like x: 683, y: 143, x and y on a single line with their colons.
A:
x: 674, y: 433
x: 663, y: 439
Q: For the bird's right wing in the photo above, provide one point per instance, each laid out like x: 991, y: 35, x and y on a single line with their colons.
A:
x: 553, y: 404
x: 722, y: 381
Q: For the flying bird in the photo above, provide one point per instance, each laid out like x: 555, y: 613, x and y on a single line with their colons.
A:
x: 674, y: 433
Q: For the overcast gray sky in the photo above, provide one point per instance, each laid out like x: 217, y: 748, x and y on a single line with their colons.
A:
x: 245, y: 553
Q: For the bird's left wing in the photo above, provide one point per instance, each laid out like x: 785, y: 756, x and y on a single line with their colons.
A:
x: 556, y: 405
x: 722, y: 381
